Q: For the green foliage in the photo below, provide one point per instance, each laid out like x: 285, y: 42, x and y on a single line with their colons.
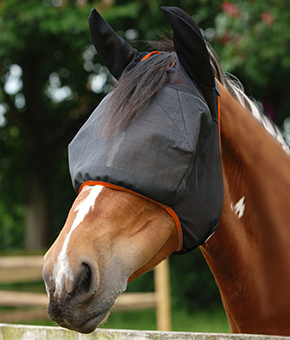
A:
x: 202, y: 321
x: 12, y: 228
x: 253, y: 38
x: 193, y: 285
x: 256, y: 34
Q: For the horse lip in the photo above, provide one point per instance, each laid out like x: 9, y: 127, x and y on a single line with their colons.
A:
x: 92, y: 322
x: 84, y: 322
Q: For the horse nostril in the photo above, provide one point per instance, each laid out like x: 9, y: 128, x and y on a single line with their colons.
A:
x: 84, y: 280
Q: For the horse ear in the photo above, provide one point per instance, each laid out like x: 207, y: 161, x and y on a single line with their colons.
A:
x: 193, y: 55
x: 115, y: 52
x: 190, y: 47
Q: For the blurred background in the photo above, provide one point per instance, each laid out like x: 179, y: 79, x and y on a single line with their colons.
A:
x: 51, y: 79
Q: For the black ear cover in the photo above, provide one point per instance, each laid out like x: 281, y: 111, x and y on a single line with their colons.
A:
x: 190, y: 46
x: 192, y: 53
x: 114, y: 51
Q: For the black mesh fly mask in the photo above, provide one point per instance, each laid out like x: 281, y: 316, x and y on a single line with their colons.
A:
x: 170, y: 152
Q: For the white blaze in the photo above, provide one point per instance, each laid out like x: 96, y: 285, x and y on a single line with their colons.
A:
x: 62, y: 269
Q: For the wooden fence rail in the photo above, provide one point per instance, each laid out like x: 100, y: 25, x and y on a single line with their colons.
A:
x: 19, y: 332
x: 18, y: 269
x: 21, y: 269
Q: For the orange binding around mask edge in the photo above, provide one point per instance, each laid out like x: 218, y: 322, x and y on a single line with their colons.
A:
x: 168, y: 209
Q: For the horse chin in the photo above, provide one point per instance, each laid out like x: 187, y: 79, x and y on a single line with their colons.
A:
x: 91, y: 324
x: 83, y: 325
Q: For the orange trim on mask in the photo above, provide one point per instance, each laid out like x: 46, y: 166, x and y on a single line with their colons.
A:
x: 149, y: 54
x: 168, y: 209
x: 154, y: 52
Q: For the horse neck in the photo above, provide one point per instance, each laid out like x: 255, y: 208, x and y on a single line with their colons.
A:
x: 250, y: 249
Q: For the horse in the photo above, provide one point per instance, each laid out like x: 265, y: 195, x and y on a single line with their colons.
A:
x: 113, y: 235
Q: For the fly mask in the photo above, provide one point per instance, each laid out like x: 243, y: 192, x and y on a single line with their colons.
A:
x: 170, y: 153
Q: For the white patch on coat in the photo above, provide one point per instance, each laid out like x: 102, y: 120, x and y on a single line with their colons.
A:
x: 62, y: 270
x: 239, y: 207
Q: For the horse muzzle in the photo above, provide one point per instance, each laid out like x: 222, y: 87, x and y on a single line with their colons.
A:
x: 77, y: 298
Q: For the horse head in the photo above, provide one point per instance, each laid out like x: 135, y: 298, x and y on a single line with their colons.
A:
x: 110, y: 237
x: 128, y: 216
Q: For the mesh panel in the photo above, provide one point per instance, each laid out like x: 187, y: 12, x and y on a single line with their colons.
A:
x: 169, y: 153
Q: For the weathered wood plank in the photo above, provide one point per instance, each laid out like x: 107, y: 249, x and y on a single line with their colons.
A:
x: 15, y: 299
x: 14, y: 269
x: 19, y: 332
x: 23, y: 315
x: 127, y: 301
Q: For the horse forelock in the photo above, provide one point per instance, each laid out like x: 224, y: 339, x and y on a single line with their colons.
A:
x: 136, y: 88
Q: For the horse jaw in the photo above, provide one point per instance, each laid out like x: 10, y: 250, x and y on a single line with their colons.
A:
x: 109, y: 237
